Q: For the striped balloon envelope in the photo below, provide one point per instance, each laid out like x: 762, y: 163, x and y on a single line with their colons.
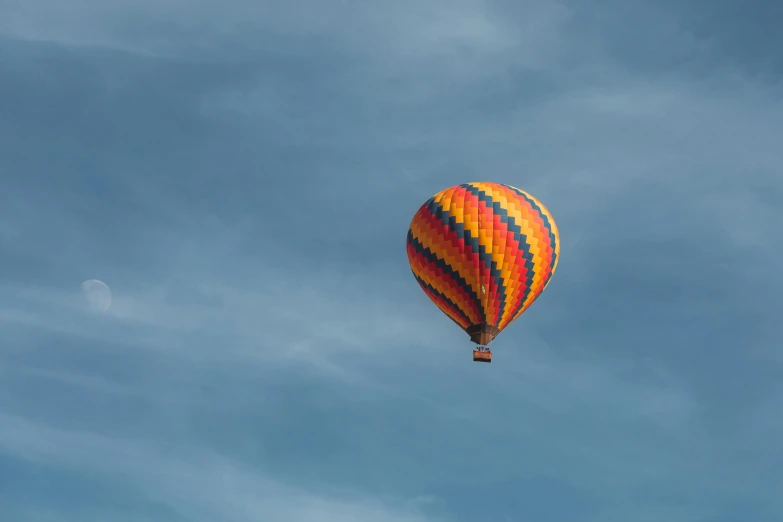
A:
x: 483, y: 253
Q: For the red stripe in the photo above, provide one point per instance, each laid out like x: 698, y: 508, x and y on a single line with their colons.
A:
x: 443, y: 305
x: 449, y: 237
x: 441, y: 281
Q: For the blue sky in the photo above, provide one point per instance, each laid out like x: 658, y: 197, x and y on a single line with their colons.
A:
x: 242, y: 175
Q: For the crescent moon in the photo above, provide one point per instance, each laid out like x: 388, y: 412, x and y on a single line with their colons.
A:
x: 97, y: 294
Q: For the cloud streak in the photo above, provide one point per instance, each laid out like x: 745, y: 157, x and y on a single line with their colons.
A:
x: 197, y: 485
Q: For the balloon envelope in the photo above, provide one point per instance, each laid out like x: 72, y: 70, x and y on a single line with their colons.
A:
x: 483, y: 253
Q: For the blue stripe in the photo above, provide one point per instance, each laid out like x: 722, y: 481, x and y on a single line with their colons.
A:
x: 519, y: 237
x: 552, y: 238
x: 445, y: 268
x: 547, y: 225
x: 448, y: 301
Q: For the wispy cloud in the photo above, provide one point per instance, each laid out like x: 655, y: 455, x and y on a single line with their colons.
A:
x: 196, y: 484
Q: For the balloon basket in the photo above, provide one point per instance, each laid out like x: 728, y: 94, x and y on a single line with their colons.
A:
x: 482, y: 355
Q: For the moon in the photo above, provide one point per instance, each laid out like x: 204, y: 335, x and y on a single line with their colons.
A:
x: 97, y: 294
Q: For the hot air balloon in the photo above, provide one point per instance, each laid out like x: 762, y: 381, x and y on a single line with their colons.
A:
x: 483, y: 253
